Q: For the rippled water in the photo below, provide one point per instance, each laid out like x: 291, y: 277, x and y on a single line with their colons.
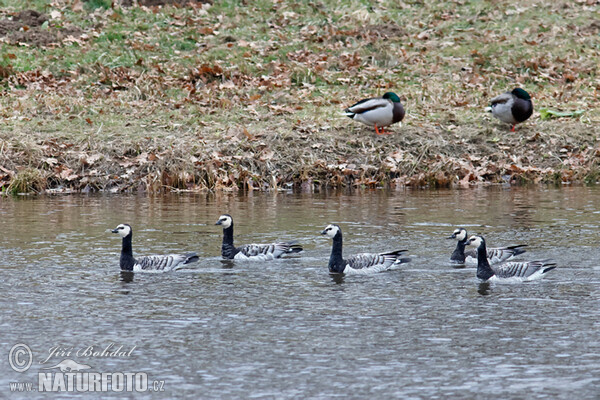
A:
x: 288, y: 329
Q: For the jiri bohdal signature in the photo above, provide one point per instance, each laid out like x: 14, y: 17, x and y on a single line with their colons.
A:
x: 94, y: 351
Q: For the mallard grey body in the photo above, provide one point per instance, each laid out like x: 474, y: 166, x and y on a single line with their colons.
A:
x: 378, y: 112
x: 512, y: 107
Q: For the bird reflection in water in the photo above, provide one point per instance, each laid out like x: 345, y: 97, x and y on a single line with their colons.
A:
x: 484, y: 289
x: 227, y: 264
x: 337, y: 278
x: 127, y: 276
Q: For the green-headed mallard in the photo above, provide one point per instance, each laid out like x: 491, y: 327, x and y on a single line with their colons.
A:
x: 378, y: 111
x: 512, y: 107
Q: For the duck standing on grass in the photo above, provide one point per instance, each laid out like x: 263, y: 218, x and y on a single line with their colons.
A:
x: 512, y: 107
x: 378, y: 111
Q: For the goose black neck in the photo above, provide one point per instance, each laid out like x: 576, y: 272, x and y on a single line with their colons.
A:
x: 336, y: 261
x: 127, y: 261
x: 484, y: 271
x: 227, y: 248
x: 459, y: 251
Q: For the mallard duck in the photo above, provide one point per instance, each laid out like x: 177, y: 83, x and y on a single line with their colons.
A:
x: 512, y: 107
x: 167, y: 262
x: 508, y: 271
x: 364, y: 263
x: 378, y: 111
x: 251, y: 252
x: 495, y: 255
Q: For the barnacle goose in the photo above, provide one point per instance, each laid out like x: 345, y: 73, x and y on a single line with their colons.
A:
x: 251, y: 252
x: 495, y: 255
x: 364, y: 263
x: 168, y: 262
x: 512, y: 270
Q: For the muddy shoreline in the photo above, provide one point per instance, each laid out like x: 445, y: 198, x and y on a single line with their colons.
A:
x: 354, y: 157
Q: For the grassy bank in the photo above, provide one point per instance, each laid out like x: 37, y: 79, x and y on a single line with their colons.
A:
x: 250, y: 94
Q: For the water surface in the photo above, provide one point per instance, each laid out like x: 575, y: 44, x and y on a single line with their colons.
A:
x: 288, y: 329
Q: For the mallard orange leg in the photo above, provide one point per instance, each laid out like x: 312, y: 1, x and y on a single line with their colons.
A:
x: 513, y: 128
x: 377, y: 130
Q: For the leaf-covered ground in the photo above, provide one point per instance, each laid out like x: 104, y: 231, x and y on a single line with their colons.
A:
x: 249, y: 94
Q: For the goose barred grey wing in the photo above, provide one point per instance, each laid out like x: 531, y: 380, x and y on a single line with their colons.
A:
x: 500, y: 254
x: 270, y: 251
x: 495, y: 255
x: 524, y: 270
x: 371, y: 262
x: 166, y: 262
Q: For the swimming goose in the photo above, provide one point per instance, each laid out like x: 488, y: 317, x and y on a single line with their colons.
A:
x: 168, y: 262
x: 512, y: 107
x: 364, y: 263
x: 495, y: 255
x: 512, y: 270
x: 378, y: 112
x: 251, y: 252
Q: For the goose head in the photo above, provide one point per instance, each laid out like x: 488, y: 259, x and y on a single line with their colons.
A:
x: 225, y: 221
x: 476, y: 241
x: 459, y: 234
x: 123, y: 230
x: 331, y: 231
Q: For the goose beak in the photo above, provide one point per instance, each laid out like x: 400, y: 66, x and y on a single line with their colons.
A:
x: 451, y: 237
x: 218, y: 222
x: 115, y: 231
x: 324, y: 232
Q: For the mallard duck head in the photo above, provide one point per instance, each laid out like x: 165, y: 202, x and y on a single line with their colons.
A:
x: 521, y: 94
x: 395, y: 99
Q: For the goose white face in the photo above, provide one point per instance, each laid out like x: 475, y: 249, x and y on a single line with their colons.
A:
x: 460, y: 234
x: 475, y: 241
x: 225, y: 221
x: 123, y: 230
x: 331, y: 231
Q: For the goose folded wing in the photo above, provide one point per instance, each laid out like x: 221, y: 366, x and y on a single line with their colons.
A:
x: 523, y: 269
x: 367, y: 260
x: 165, y: 262
x: 500, y: 254
x: 253, y: 250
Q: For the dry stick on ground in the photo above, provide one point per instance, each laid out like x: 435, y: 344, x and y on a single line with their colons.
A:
x: 416, y: 164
